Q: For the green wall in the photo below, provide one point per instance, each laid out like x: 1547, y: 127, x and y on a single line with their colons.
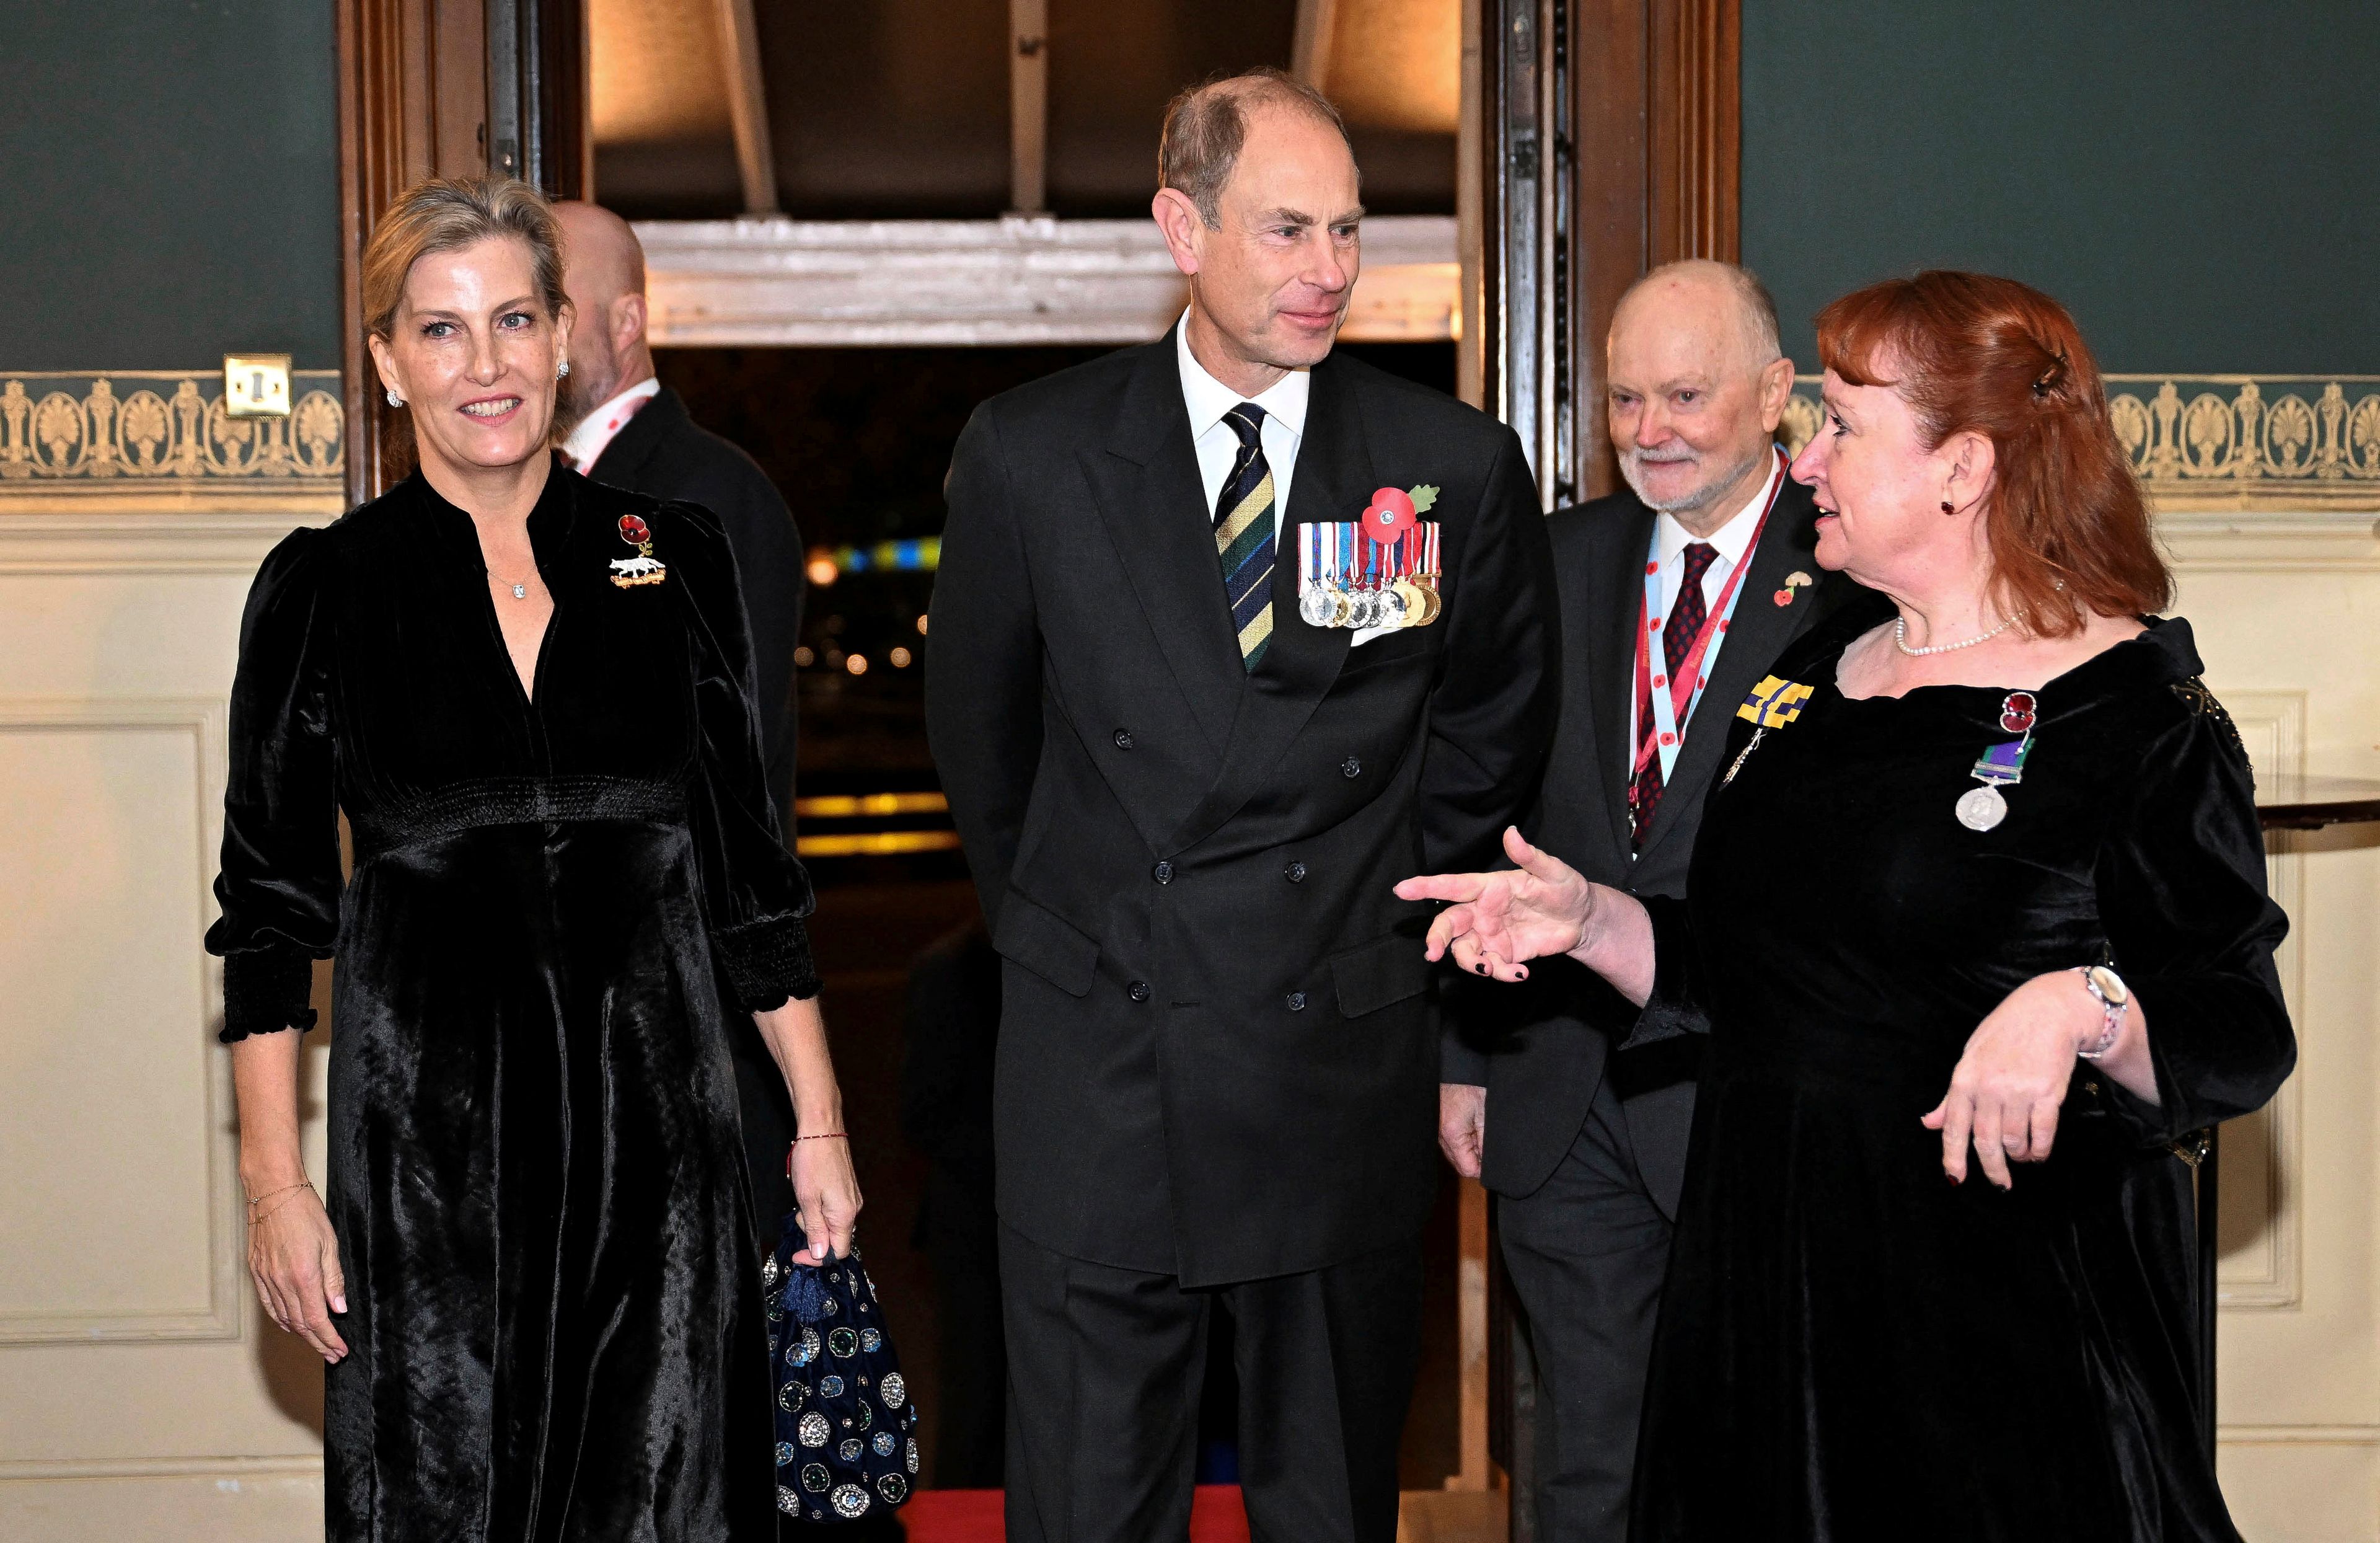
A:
x: 169, y: 183
x: 2198, y: 181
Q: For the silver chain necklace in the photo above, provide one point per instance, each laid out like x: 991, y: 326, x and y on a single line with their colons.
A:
x: 1900, y: 637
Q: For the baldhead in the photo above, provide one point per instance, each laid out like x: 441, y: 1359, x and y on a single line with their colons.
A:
x: 605, y: 275
x: 1260, y: 211
x: 1697, y: 383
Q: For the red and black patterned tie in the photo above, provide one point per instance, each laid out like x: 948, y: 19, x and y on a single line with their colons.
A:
x: 1684, y: 625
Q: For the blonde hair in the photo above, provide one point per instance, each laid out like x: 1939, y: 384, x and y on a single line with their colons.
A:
x: 447, y: 214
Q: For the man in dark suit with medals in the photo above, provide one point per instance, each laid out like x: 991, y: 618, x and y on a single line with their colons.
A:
x: 636, y: 435
x: 1676, y: 596
x: 1230, y: 634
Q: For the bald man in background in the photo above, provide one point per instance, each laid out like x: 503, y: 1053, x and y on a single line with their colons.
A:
x: 636, y: 435
x: 1583, y: 1119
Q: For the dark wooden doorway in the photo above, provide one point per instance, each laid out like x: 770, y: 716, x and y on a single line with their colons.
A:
x: 445, y: 88
x: 1610, y: 142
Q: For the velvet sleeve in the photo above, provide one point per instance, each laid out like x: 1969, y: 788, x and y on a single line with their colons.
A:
x: 2181, y: 895
x: 755, y: 892
x: 279, y: 884
x: 1675, y: 1004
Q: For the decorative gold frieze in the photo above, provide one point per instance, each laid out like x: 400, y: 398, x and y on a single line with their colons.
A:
x: 2233, y: 441
x: 120, y: 431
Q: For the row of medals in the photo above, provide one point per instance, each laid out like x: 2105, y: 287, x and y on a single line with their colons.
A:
x: 1353, y: 600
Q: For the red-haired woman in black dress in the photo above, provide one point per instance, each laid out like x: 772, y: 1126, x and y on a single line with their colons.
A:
x: 1980, y: 900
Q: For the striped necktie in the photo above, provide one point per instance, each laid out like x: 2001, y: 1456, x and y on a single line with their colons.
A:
x: 1244, y: 535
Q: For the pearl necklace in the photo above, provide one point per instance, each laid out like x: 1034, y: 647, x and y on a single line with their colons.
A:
x: 1900, y: 637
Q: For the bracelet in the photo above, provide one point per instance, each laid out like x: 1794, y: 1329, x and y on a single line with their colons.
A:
x: 2107, y: 990
x: 257, y: 1218
x: 824, y: 1136
x: 256, y: 1200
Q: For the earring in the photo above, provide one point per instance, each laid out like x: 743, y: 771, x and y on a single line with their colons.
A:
x: 393, y: 399
x: 561, y: 370
x: 1945, y: 507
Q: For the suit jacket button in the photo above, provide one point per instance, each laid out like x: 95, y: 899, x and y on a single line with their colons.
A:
x: 1298, y: 1002
x: 1137, y: 990
x: 1123, y: 739
x: 1163, y: 873
x: 1295, y: 873
x: 1351, y: 767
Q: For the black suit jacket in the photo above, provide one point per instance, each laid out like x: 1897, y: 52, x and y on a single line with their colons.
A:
x: 1218, y: 1054
x: 665, y: 454
x: 1548, y: 1042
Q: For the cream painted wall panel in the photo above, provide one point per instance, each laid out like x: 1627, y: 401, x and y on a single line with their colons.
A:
x: 2290, y: 630
x: 121, y: 632
x: 243, y: 1503
x: 102, y: 987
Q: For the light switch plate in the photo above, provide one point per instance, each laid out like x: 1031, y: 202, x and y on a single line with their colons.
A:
x: 256, y: 385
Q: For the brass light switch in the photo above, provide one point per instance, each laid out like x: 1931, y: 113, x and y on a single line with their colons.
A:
x: 256, y: 385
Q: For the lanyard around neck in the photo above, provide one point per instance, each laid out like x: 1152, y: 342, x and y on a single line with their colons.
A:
x: 1675, y: 695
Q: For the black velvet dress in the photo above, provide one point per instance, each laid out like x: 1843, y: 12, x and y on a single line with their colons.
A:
x: 554, y: 1321
x: 1849, y: 1348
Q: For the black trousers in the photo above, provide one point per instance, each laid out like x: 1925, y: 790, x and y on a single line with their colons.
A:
x: 1586, y: 1254
x: 1104, y: 1373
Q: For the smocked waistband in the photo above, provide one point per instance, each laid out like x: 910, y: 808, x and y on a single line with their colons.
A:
x: 466, y: 806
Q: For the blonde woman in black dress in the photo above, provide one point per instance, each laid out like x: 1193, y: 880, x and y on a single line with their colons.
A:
x: 1977, y: 928
x: 532, y: 1274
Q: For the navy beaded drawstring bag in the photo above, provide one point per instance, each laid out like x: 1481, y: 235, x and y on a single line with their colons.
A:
x: 845, y: 1422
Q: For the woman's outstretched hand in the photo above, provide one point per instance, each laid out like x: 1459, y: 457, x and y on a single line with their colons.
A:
x: 1499, y: 921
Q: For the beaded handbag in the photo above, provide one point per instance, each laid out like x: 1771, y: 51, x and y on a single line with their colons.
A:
x: 844, y: 1446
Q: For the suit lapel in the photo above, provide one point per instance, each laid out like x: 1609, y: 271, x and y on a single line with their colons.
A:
x: 1333, y: 480
x: 1756, y: 635
x: 623, y: 461
x: 1146, y: 483
x: 1619, y: 590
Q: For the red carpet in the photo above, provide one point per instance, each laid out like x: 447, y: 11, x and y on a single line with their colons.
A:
x: 1217, y: 1515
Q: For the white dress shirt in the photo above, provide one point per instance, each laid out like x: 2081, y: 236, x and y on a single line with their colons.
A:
x: 1218, y: 444
x: 586, y: 442
x: 1732, y: 541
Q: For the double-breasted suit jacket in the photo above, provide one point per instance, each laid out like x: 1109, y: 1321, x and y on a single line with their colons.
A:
x: 1551, y: 1037
x: 1219, y: 1051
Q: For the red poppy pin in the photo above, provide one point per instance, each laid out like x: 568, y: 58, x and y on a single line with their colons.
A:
x: 643, y: 568
x: 1394, y: 511
x: 1793, y: 582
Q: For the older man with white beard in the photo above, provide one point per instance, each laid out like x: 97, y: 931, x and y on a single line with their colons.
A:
x: 1675, y: 595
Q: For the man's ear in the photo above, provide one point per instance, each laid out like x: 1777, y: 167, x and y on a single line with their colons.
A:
x: 1182, y: 225
x: 627, y: 322
x: 1776, y: 386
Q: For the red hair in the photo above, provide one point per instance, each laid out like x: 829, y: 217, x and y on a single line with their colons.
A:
x: 2068, y: 529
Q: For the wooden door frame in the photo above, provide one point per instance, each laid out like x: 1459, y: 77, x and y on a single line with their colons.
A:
x: 414, y: 103
x: 1611, y: 143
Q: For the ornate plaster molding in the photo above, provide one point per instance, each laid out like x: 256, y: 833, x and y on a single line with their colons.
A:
x: 143, y: 438
x: 877, y: 282
x: 2299, y: 443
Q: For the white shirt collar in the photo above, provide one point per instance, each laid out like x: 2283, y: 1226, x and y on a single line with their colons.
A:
x: 586, y: 444
x: 1732, y: 539
x: 1208, y: 398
